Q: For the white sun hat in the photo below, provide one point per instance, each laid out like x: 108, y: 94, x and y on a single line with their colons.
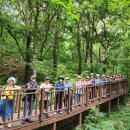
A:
x: 12, y: 79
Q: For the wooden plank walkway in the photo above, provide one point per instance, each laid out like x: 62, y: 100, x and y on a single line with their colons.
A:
x: 16, y: 125
x: 90, y: 96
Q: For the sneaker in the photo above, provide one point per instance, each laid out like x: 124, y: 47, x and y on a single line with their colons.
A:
x: 9, y: 125
x: 23, y: 122
x: 54, y: 113
x: 81, y: 105
x: 1, y: 126
x: 60, y: 112
x: 46, y: 114
x: 29, y: 120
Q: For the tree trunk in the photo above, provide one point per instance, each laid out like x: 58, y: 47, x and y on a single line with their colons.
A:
x: 99, y: 56
x: 55, y: 45
x: 91, y: 44
x: 87, y: 48
x: 79, y: 50
x: 28, y: 43
x: 35, y: 38
x: 27, y: 59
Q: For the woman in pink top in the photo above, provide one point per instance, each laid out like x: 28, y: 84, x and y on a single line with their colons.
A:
x: 79, y: 85
x: 88, y: 83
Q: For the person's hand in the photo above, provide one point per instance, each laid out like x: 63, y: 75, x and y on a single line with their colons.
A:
x: 17, y: 87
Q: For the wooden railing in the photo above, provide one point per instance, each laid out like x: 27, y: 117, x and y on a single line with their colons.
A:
x: 66, y: 101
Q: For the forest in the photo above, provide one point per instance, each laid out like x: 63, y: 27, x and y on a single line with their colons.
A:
x: 69, y: 38
x: 64, y: 37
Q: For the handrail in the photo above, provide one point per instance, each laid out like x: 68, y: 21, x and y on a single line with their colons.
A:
x: 59, y: 100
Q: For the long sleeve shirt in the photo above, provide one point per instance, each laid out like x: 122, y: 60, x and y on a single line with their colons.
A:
x: 59, y: 86
x: 98, y: 81
x: 67, y: 85
x: 79, y: 85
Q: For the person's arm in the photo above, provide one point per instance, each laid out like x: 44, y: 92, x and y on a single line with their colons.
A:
x: 51, y: 88
x: 3, y: 88
x: 55, y: 85
x: 16, y: 87
x: 76, y: 84
x: 63, y: 86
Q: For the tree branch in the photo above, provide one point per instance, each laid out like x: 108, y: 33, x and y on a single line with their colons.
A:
x: 16, y: 41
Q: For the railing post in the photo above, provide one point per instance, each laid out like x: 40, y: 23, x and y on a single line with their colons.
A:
x: 13, y: 107
x: 20, y: 97
x: 69, y: 98
x: 17, y: 101
x: 117, y: 84
x: 41, y: 104
x: 110, y: 92
x: 99, y: 93
x: 126, y: 86
x: 87, y: 95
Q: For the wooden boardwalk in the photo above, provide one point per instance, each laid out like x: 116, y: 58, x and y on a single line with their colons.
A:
x: 41, y: 120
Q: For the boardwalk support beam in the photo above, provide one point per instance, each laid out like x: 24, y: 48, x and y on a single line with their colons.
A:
x: 54, y: 126
x: 109, y: 107
x: 80, y: 120
x: 125, y: 99
x: 118, y: 102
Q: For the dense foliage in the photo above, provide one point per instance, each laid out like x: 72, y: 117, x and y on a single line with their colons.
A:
x: 64, y: 37
x: 118, y: 120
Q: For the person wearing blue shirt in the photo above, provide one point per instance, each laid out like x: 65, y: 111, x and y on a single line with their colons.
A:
x: 98, y: 81
x: 67, y: 86
x: 59, y: 86
x: 92, y: 78
x: 103, y: 83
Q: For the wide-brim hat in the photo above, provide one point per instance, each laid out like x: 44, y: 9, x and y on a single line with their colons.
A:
x: 87, y: 77
x: 11, y: 79
x: 33, y: 76
x: 47, y: 78
x: 104, y: 75
x: 61, y: 77
x: 92, y: 74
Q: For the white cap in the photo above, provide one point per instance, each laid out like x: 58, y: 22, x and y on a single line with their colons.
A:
x: 67, y: 78
x: 103, y: 75
x: 97, y: 75
x: 87, y: 77
x: 11, y: 79
x: 79, y: 77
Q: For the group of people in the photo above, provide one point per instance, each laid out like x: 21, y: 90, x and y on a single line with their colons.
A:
x: 63, y: 84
